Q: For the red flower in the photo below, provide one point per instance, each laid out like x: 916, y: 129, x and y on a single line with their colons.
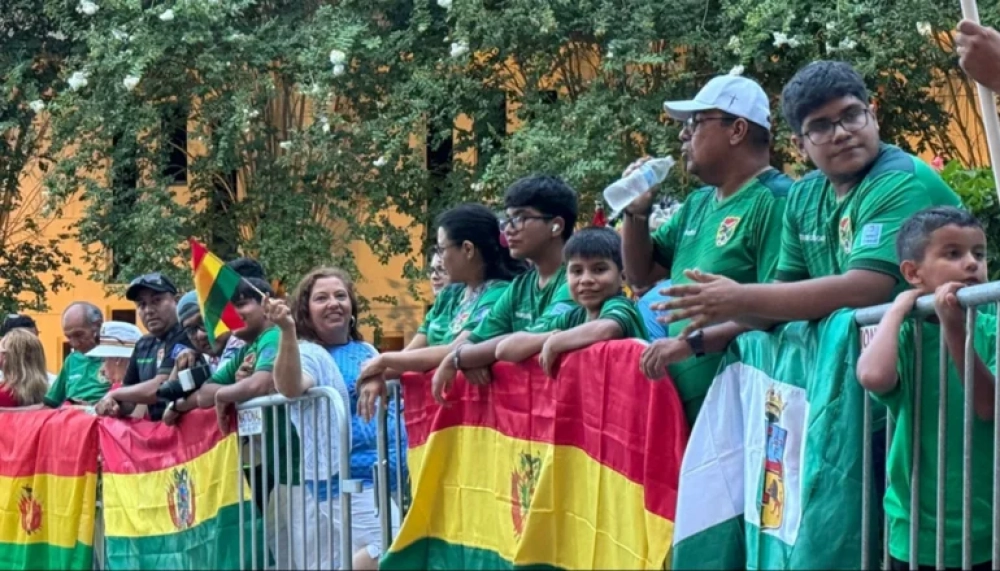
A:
x: 937, y: 163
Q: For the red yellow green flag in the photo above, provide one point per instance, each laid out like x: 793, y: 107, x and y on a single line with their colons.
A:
x: 215, y: 283
x: 172, y: 496
x: 48, y: 489
x: 580, y: 472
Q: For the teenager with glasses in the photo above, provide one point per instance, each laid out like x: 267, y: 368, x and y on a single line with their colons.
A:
x: 540, y: 215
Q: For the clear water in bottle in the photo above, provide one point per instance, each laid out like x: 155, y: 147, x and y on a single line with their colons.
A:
x: 624, y: 191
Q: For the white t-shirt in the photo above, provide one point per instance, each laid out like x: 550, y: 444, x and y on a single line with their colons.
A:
x: 318, y: 364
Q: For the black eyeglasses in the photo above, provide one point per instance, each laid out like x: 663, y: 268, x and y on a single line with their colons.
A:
x: 822, y: 131
x: 692, y: 123
x: 517, y: 222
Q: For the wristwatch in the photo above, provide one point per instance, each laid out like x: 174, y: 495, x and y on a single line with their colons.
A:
x: 697, y: 342
x: 457, y: 361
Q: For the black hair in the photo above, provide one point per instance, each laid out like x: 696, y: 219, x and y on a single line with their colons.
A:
x: 17, y: 322
x: 595, y: 243
x: 246, y: 290
x: 915, y: 234
x: 477, y: 224
x: 248, y: 268
x: 550, y: 195
x: 817, y: 84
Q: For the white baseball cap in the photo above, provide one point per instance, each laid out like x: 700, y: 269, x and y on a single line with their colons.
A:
x: 118, y: 340
x: 733, y: 94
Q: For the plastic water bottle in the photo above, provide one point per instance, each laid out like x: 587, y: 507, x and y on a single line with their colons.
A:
x: 624, y: 191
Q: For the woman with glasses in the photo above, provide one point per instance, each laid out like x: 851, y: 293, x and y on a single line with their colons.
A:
x: 437, y: 274
x: 480, y: 268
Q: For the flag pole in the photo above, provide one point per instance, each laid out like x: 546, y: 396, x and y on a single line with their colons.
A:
x: 987, y: 106
x: 253, y: 287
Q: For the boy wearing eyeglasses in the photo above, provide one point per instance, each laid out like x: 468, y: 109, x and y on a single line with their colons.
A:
x: 541, y: 212
x: 841, y: 221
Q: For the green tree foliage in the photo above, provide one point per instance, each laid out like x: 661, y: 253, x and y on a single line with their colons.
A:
x: 30, y: 65
x: 307, y: 122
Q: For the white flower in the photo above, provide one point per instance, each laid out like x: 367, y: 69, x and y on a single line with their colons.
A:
x: 120, y: 35
x: 324, y: 124
x: 56, y: 35
x: 831, y: 26
x: 477, y: 187
x: 253, y: 114
x: 737, y: 70
x: 734, y: 43
x: 794, y: 42
x: 87, y: 7
x: 422, y: 27
x: 339, y: 70
x: 780, y: 39
x: 130, y: 82
x: 610, y: 54
x: 338, y: 57
x: 459, y: 49
x: 77, y: 80
x: 167, y: 15
x: 847, y: 44
x: 446, y: 4
x: 380, y: 162
x: 285, y: 145
x: 925, y: 29
x: 37, y: 105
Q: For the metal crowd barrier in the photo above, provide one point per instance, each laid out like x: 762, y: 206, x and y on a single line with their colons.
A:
x: 971, y: 299
x: 311, y: 537
x: 383, y: 495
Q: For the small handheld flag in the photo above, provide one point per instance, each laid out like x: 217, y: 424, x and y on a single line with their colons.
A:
x: 215, y: 283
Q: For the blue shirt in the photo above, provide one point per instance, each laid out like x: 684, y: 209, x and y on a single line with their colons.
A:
x: 655, y: 329
x: 350, y: 359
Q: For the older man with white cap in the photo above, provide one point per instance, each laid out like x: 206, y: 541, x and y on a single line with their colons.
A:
x: 731, y: 227
x: 117, y: 342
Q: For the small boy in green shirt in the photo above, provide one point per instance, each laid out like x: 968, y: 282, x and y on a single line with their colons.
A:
x: 594, y: 274
x: 941, y: 250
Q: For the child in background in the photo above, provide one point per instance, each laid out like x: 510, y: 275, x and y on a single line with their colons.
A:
x: 941, y: 250
x: 594, y: 273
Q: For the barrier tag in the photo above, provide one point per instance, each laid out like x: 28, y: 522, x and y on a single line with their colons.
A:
x: 251, y: 421
x: 867, y: 334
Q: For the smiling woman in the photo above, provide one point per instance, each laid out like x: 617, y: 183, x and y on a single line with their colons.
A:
x: 325, y: 310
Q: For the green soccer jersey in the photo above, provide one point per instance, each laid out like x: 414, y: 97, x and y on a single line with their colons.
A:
x: 739, y: 238
x: 900, y: 461
x: 80, y: 380
x: 260, y: 355
x: 827, y: 236
x: 456, y: 310
x: 619, y: 309
x: 526, y: 307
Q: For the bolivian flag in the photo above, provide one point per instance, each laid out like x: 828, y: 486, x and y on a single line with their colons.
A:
x: 579, y: 472
x: 215, y: 283
x: 48, y: 489
x: 171, y: 495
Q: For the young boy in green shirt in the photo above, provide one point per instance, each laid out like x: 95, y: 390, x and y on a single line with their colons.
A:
x: 594, y: 274
x: 541, y: 213
x: 941, y: 250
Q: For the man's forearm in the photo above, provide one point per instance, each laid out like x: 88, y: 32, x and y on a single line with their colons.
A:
x: 205, y: 396
x: 812, y: 299
x: 637, y: 247
x: 257, y: 385
x: 143, y: 393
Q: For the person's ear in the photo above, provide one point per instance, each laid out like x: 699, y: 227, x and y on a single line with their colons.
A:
x: 741, y: 130
x: 911, y: 273
x: 557, y: 226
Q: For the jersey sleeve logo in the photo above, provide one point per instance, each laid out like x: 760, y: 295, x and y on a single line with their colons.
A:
x: 871, y: 235
x: 726, y: 230
x: 846, y: 234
